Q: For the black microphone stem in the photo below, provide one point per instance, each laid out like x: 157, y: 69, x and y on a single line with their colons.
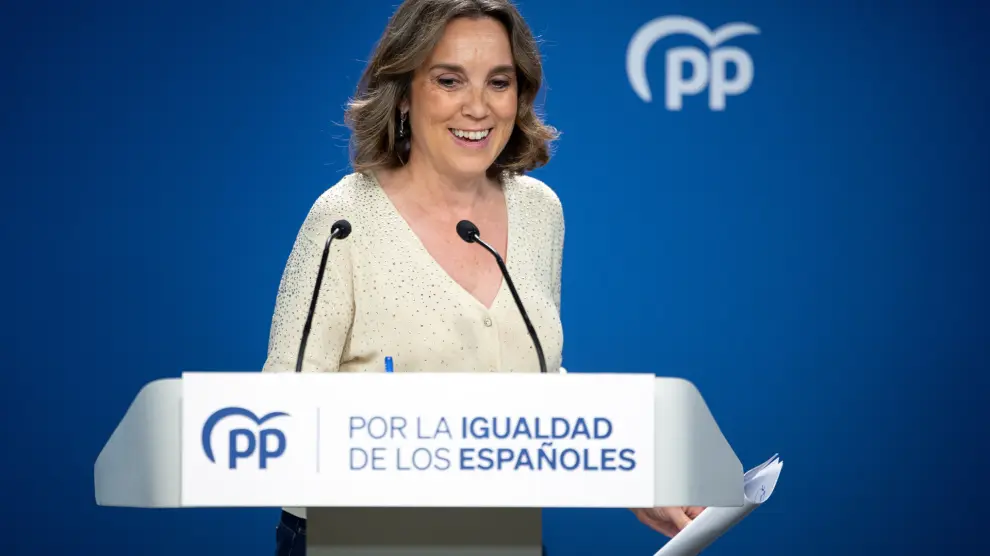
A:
x: 519, y: 304
x: 341, y: 229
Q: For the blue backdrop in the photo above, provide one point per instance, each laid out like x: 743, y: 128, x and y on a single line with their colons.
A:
x: 813, y: 256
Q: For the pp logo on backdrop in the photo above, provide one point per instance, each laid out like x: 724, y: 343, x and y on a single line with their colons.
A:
x: 265, y: 444
x: 707, y: 69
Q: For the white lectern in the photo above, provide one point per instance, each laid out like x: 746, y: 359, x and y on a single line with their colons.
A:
x: 416, y: 464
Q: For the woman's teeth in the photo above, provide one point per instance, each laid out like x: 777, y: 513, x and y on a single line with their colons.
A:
x: 471, y: 135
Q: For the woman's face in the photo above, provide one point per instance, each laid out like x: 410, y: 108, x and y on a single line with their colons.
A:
x: 463, y: 101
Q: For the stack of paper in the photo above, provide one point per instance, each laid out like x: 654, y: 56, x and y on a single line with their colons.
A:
x: 712, y: 523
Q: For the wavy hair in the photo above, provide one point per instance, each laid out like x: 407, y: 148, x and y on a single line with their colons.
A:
x: 411, y: 35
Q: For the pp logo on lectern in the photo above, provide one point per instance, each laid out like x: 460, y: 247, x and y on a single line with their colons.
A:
x: 707, y: 69
x: 244, y: 443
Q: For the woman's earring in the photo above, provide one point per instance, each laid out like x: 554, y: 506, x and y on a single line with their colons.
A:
x: 404, y: 145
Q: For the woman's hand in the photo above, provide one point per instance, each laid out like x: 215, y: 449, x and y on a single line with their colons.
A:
x: 668, y: 521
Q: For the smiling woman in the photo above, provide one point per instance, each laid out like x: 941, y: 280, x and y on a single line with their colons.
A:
x: 447, y: 63
x: 443, y: 130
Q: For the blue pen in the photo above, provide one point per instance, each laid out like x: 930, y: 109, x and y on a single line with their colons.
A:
x: 388, y: 364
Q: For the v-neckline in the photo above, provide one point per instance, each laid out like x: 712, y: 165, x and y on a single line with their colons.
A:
x: 414, y: 237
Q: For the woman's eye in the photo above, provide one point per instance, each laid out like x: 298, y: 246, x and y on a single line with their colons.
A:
x: 447, y: 82
x: 501, y: 84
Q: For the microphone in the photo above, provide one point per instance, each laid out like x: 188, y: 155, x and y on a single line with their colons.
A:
x: 340, y: 230
x: 469, y: 233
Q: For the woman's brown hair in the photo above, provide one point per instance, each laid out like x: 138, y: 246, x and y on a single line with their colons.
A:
x: 409, y: 38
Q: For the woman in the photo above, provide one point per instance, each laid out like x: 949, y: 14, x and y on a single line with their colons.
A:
x: 443, y: 129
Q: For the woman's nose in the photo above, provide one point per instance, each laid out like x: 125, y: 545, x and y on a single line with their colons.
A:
x: 475, y: 105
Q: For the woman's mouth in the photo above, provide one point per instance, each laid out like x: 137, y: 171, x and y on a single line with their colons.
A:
x: 471, y: 137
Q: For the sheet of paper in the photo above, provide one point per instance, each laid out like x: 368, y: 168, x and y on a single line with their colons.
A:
x: 712, y: 523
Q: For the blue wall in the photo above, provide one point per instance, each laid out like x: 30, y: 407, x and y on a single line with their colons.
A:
x: 813, y: 257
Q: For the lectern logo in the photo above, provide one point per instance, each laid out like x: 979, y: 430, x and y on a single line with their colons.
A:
x: 707, y: 69
x: 243, y: 443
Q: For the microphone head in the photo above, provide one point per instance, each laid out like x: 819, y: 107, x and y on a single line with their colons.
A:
x: 467, y: 230
x: 341, y: 229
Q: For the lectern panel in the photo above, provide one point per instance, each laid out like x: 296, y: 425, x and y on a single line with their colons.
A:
x: 413, y: 531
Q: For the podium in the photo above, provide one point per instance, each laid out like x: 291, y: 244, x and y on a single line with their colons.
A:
x: 419, y: 463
